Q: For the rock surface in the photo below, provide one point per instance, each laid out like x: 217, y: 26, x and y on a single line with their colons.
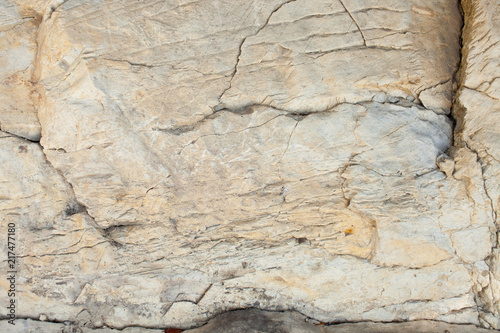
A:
x: 258, y: 321
x: 197, y: 157
x: 255, y: 321
x: 18, y: 97
x: 478, y: 113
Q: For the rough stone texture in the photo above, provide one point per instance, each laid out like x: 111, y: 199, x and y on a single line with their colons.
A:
x: 18, y: 97
x: 198, y: 157
x: 478, y: 111
x: 257, y: 321
x: 31, y: 326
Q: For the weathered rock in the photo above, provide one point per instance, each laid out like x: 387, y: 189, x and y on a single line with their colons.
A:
x: 478, y: 122
x: 257, y: 321
x: 56, y: 242
x: 201, y: 157
x: 31, y: 326
x: 18, y: 98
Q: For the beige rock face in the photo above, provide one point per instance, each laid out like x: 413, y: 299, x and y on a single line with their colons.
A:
x: 200, y: 157
x: 478, y: 106
x: 18, y: 98
x: 256, y: 321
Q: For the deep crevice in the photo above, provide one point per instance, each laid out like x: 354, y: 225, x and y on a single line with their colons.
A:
x: 75, y: 325
x: 18, y: 136
x: 244, y: 110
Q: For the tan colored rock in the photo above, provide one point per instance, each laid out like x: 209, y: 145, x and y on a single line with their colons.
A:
x: 299, y: 61
x: 18, y: 96
x: 478, y: 120
x: 56, y: 243
x: 261, y: 321
x: 31, y: 326
x: 256, y: 321
x: 446, y: 164
x: 202, y: 157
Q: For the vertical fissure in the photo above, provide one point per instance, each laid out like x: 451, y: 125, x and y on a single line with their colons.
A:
x: 482, y: 294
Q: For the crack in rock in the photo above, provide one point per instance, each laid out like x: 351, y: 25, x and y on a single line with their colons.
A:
x: 355, y: 22
x: 240, y: 49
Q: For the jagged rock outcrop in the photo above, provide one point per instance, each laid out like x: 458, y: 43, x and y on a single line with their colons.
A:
x: 478, y: 121
x: 258, y: 321
x: 165, y: 162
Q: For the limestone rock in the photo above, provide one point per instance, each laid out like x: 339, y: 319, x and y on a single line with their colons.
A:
x: 31, y: 326
x: 251, y: 321
x: 53, y: 230
x: 198, y: 157
x: 477, y: 108
x: 300, y: 61
x: 18, y: 98
x: 257, y: 321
